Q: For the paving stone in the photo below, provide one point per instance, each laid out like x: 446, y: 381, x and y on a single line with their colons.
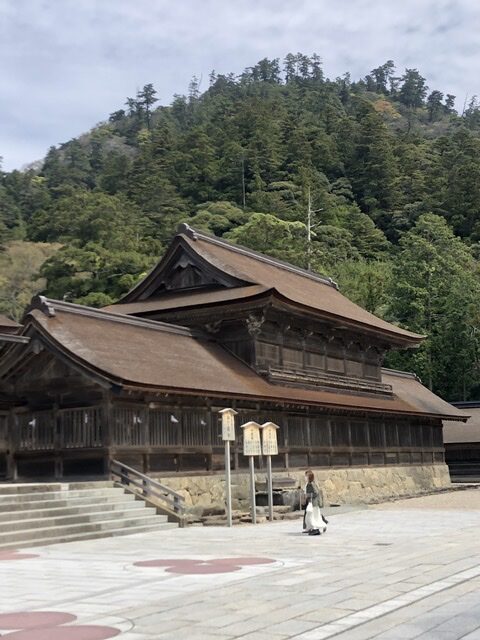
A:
x: 371, y: 577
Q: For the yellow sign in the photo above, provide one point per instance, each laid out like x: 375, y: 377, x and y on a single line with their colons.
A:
x: 251, y: 439
x: 269, y: 439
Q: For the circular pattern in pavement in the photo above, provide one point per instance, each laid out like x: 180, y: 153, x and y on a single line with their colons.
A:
x: 198, y: 568
x: 80, y: 632
x: 245, y: 561
x: 186, y: 566
x: 15, y: 555
x: 34, y: 619
x: 166, y: 563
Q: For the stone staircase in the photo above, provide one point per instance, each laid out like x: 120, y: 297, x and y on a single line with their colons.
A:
x: 48, y: 513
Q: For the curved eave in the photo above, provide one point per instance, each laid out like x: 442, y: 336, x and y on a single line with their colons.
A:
x: 407, y: 338
x: 111, y: 381
x: 134, y: 387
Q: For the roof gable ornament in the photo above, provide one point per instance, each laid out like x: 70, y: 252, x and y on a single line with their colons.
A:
x: 42, y: 304
x: 187, y: 230
x: 254, y: 324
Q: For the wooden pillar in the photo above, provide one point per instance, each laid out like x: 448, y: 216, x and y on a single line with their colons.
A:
x: 107, y: 431
x: 384, y: 440
x: 145, y: 415
x: 330, y: 439
x: 209, y: 432
x: 308, y: 436
x: 178, y: 411
x: 236, y: 455
x: 58, y: 442
x: 349, y: 439
x: 12, y: 446
x: 146, y: 463
x: 287, y: 445
x: 368, y: 442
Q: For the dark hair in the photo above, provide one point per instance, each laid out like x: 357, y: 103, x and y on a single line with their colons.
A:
x: 310, y: 475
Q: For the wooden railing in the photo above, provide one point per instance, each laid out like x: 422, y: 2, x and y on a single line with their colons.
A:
x: 148, y: 488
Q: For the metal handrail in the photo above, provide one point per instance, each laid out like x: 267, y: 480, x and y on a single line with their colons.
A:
x: 148, y: 487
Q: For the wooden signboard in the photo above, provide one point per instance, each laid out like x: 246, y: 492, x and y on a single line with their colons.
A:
x: 228, y: 423
x: 251, y: 439
x: 269, y: 439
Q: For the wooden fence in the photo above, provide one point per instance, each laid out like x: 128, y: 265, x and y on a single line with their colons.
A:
x: 140, y: 427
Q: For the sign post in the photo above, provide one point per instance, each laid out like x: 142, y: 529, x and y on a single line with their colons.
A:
x: 228, y: 434
x: 251, y: 448
x: 269, y: 449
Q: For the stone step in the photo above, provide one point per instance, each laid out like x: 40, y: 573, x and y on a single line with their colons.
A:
x: 33, y: 535
x: 60, y: 538
x: 33, y: 514
x: 67, y: 510
x: 57, y: 495
x: 66, y: 501
x: 44, y: 487
x: 82, y: 518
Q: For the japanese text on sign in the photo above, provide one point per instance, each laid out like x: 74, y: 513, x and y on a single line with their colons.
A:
x: 228, y: 424
x: 251, y: 439
x: 269, y: 441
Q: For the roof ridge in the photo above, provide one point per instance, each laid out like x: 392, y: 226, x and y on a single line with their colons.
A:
x: 49, y: 306
x: 460, y: 404
x: 194, y: 234
x: 401, y: 374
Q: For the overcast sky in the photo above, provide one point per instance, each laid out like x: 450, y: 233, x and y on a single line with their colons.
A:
x: 66, y: 64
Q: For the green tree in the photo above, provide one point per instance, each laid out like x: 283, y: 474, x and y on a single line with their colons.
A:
x: 93, y: 274
x: 20, y: 264
x: 381, y: 77
x: 90, y: 217
x: 268, y: 234
x: 218, y: 217
x: 372, y: 168
x: 450, y: 103
x: 413, y: 90
x: 366, y: 282
x: 147, y: 98
x: 434, y: 105
x: 436, y: 292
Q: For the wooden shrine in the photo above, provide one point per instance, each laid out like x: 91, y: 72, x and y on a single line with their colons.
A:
x: 213, y: 325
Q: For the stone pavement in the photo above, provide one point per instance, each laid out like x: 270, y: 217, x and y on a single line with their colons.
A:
x: 409, y: 569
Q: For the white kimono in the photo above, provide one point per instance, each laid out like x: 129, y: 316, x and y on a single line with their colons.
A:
x: 313, y: 514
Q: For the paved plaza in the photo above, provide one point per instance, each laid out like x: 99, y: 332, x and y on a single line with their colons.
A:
x: 409, y: 569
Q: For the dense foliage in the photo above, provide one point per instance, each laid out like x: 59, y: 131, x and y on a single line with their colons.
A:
x: 387, y: 171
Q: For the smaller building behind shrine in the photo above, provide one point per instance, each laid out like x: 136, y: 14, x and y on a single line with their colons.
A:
x: 462, y: 443
x: 216, y: 325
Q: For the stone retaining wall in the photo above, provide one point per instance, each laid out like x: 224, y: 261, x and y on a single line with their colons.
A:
x: 340, y: 486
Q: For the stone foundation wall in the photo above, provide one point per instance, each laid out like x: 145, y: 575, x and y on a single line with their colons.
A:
x: 340, y: 486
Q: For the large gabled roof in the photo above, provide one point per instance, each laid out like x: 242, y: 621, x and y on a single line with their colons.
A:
x: 135, y: 353
x: 250, y: 269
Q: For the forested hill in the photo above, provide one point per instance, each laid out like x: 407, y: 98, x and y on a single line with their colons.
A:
x: 387, y: 167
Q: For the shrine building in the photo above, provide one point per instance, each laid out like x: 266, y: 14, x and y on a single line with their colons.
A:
x: 216, y: 325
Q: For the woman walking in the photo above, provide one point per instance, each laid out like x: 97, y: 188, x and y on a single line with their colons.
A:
x: 313, y: 521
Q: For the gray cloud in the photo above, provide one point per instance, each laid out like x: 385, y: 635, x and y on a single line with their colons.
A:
x: 66, y: 65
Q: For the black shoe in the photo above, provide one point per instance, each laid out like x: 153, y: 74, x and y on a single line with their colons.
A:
x: 314, y: 532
